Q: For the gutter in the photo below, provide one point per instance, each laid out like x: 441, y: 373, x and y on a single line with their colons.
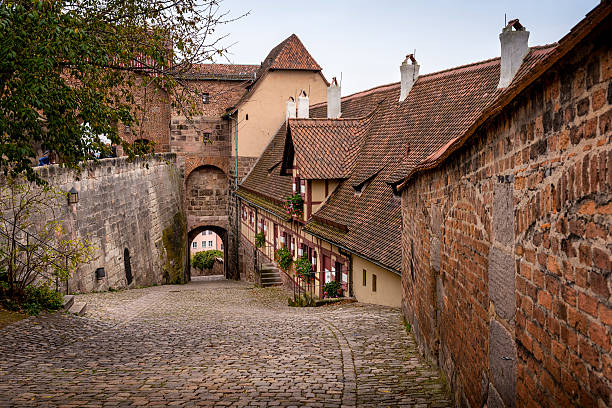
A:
x: 377, y: 263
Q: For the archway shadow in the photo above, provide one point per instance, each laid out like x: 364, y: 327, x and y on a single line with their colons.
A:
x: 221, y: 232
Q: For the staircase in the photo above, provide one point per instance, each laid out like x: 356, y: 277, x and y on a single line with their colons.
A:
x: 270, y: 275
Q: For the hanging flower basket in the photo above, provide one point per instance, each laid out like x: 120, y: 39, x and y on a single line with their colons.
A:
x: 295, y: 206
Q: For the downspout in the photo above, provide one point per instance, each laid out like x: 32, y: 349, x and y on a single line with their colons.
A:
x: 350, y: 270
x: 237, y: 230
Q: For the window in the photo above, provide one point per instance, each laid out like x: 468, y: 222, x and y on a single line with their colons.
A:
x: 205, y: 97
x: 195, y: 244
x: 247, y: 116
x: 373, y: 283
x: 203, y: 232
x: 365, y: 277
x: 222, y: 246
x: 209, y: 243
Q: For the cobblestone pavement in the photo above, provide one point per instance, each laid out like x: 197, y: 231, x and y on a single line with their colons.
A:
x: 214, y: 343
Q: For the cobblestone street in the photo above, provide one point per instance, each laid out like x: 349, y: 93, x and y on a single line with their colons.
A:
x: 214, y: 343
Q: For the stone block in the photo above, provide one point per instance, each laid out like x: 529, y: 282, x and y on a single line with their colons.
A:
x: 502, y: 282
x: 502, y: 363
x: 503, y: 213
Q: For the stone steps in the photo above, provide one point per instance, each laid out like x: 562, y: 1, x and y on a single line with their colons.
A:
x: 68, y: 302
x: 78, y: 309
x: 270, y: 276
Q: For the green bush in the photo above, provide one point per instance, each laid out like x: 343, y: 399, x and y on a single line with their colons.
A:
x: 283, y: 258
x: 39, y: 298
x: 260, y: 239
x: 331, y: 289
x: 303, y: 268
x: 205, y: 259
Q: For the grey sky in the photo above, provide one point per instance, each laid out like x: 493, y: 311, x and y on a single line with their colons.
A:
x: 367, y: 40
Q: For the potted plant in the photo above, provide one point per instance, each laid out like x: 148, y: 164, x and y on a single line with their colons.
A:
x: 332, y: 289
x: 260, y: 239
x: 295, y: 206
x: 283, y: 258
x: 303, y: 269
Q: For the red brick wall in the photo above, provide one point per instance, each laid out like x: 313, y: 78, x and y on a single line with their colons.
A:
x: 528, y: 255
x: 152, y: 111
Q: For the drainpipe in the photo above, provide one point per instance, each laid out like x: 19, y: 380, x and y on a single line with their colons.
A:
x: 350, y: 271
x: 237, y: 230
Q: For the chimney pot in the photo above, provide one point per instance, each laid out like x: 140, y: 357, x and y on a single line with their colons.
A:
x: 514, y: 48
x: 290, y: 108
x: 409, y: 75
x: 303, y: 105
x: 333, y: 100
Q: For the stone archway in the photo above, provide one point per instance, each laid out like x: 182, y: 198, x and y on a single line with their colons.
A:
x: 222, y: 233
x: 207, y: 204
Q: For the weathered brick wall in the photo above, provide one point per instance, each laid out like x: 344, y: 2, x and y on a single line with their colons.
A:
x: 152, y: 112
x: 135, y: 205
x: 506, y: 247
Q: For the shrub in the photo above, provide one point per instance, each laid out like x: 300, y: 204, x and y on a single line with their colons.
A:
x: 283, y: 258
x: 205, y: 259
x: 331, y: 289
x: 260, y: 239
x: 303, y: 269
x: 39, y: 298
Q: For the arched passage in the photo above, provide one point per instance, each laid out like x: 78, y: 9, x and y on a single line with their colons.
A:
x: 196, y: 233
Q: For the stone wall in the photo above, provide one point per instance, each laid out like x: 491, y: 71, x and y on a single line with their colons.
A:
x: 506, y: 247
x: 246, y: 256
x: 132, y: 208
x: 152, y: 112
x: 217, y: 269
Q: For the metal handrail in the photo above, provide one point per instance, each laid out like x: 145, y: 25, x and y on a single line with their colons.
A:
x: 40, y: 242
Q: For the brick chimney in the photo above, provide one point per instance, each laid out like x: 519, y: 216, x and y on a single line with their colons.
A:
x: 513, y: 49
x: 302, y: 105
x: 333, y: 100
x: 290, y: 108
x: 409, y: 73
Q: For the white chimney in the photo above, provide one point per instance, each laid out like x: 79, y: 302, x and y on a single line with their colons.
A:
x: 290, y: 108
x: 333, y: 100
x: 513, y: 49
x: 409, y: 73
x: 302, y: 105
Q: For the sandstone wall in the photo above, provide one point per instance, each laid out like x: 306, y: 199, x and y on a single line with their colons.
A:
x: 217, y: 269
x: 125, y: 207
x: 506, y: 248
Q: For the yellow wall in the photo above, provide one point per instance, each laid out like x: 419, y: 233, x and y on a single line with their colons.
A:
x: 267, y: 107
x: 388, y: 284
x: 318, y: 190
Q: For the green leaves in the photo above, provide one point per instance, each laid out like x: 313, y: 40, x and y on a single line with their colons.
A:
x: 64, y: 63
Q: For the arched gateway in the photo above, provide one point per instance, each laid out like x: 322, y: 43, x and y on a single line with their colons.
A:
x: 207, y: 205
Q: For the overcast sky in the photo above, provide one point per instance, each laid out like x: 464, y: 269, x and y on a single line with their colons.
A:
x: 366, y: 41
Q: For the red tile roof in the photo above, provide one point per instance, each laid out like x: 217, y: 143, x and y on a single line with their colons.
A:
x: 326, y: 148
x: 265, y: 180
x: 441, y: 109
x: 290, y: 54
x: 231, y: 72
x: 539, y: 60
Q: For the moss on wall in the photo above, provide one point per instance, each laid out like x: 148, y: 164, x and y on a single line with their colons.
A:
x: 175, y: 244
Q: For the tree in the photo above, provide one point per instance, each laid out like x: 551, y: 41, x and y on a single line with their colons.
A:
x: 68, y: 69
x: 34, y: 245
x: 205, y: 259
